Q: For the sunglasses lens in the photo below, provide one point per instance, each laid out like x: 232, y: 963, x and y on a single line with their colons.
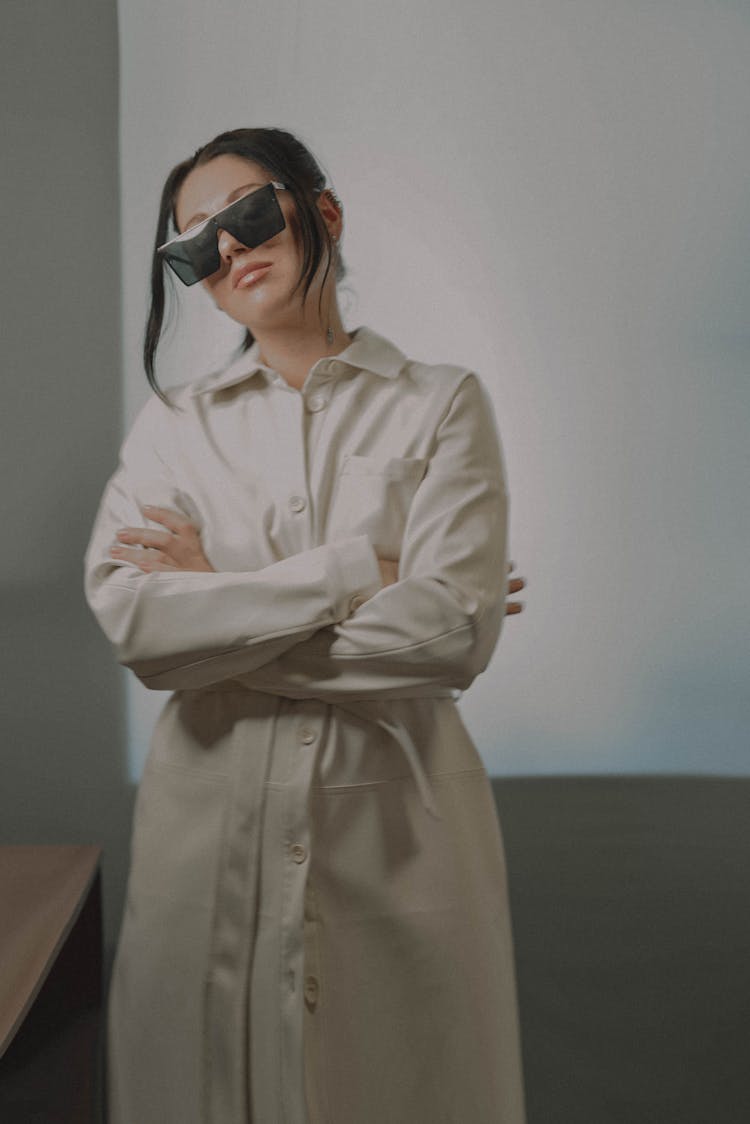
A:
x: 253, y: 219
x: 194, y: 258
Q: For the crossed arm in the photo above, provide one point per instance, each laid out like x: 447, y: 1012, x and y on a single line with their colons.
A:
x: 178, y: 547
x: 333, y: 619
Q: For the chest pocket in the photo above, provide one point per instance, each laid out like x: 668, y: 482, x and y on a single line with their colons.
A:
x: 372, y: 496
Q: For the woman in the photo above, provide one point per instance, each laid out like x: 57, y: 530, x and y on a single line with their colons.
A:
x: 309, y: 549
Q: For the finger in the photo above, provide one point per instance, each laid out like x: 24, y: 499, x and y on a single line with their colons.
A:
x: 129, y: 554
x: 146, y: 537
x: 511, y: 567
x: 143, y: 555
x: 149, y: 566
x: 172, y: 519
x: 515, y: 585
x: 513, y: 607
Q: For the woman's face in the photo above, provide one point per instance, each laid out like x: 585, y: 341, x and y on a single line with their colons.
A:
x: 256, y: 300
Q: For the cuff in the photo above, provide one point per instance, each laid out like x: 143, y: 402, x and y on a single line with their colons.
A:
x: 353, y: 574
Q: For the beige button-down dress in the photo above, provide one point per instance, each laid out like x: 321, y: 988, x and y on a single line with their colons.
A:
x: 316, y: 928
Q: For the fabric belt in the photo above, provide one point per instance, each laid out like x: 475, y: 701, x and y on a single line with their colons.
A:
x: 372, y: 711
x: 368, y: 710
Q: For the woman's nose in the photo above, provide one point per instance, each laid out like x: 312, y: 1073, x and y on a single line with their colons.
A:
x: 228, y: 245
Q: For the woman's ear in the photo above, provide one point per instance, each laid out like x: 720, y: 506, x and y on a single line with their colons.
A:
x: 332, y: 210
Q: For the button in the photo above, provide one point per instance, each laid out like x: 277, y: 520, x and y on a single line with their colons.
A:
x: 357, y: 601
x: 335, y: 367
x: 312, y: 990
x: 315, y: 403
x: 297, y: 503
x: 299, y: 853
x: 307, y: 736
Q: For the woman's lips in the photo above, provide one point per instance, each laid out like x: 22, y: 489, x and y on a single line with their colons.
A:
x: 250, y: 275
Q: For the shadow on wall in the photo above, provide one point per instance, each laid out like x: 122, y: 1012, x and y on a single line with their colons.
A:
x: 64, y: 774
x: 63, y: 737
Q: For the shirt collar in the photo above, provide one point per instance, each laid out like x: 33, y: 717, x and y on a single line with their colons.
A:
x: 368, y: 351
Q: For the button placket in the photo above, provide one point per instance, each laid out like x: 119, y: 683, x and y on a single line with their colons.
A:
x: 288, y: 461
x: 305, y: 734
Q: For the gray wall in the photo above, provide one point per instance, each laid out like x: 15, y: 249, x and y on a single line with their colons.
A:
x: 61, y: 714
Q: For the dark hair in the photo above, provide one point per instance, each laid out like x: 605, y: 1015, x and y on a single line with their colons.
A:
x: 285, y: 158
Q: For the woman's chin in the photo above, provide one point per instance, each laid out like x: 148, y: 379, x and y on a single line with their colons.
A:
x: 259, y: 313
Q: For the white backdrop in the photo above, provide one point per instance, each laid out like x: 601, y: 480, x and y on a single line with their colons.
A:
x: 557, y: 196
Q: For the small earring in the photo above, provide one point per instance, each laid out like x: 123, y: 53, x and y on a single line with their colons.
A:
x: 329, y: 335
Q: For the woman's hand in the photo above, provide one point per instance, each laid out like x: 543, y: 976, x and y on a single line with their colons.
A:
x: 177, y: 548
x: 515, y: 585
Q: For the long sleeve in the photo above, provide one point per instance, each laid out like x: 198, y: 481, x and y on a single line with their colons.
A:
x: 438, y: 625
x: 214, y: 621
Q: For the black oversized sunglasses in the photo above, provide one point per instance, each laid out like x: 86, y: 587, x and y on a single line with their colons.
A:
x: 252, y: 219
